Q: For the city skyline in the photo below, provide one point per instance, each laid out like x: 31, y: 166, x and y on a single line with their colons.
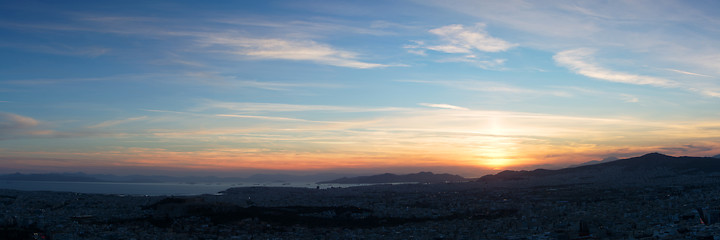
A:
x: 317, y: 86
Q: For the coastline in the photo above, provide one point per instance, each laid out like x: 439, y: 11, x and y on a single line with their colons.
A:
x: 152, y: 189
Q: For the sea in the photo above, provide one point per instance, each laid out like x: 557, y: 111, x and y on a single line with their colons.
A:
x: 150, y: 189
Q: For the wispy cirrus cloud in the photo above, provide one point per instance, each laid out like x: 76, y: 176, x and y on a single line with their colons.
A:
x: 594, y: 92
x: 217, y: 79
x: 581, y: 62
x: 669, y: 34
x: 489, y: 86
x: 122, y: 77
x: 475, y: 60
x: 687, y: 73
x: 11, y: 121
x: 318, y: 27
x: 282, y: 107
x: 300, y: 47
x: 442, y: 105
x: 262, y: 117
x: 14, y: 126
x: 285, y: 49
x: 117, y: 122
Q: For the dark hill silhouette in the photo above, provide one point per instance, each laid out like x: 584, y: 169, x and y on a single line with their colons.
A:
x: 607, y: 159
x: 651, y: 164
x: 421, y: 177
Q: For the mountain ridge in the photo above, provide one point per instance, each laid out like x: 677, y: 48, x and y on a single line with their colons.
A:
x: 421, y: 177
x: 650, y: 164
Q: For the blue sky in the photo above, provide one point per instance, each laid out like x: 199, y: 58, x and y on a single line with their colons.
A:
x: 376, y: 85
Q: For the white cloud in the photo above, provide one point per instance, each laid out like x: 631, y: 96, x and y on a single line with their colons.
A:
x: 262, y: 117
x: 273, y: 48
x: 14, y: 126
x: 597, y: 93
x: 316, y: 27
x: 468, y: 41
x: 116, y: 122
x: 441, y: 105
x: 630, y: 98
x: 495, y: 87
x: 667, y: 34
x: 280, y: 107
x: 11, y: 121
x: 581, y: 62
x: 710, y: 93
x: 484, y: 64
x: 217, y: 79
x: 688, y: 73
x: 417, y: 52
x: 459, y: 39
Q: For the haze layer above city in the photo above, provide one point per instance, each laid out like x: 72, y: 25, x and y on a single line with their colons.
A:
x: 232, y: 88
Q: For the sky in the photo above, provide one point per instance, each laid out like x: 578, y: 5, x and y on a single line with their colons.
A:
x: 239, y: 87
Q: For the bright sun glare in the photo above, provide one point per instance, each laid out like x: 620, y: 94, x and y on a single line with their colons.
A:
x: 497, y: 153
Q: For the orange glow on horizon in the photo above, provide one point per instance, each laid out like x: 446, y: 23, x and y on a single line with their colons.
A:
x: 497, y: 153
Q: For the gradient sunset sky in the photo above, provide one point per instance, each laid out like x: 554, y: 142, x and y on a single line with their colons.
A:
x: 261, y: 86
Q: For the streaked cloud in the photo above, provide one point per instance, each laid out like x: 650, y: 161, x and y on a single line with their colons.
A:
x: 489, y: 86
x: 297, y: 48
x: 216, y: 79
x: 630, y: 98
x: 315, y: 27
x: 59, y: 49
x: 441, y: 105
x: 285, y: 49
x: 261, y: 117
x: 14, y: 126
x: 688, y: 73
x: 490, y: 64
x: 644, y: 33
x: 117, y: 122
x: 11, y: 121
x: 279, y: 107
x: 581, y: 62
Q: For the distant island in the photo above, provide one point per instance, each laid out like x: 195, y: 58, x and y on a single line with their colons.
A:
x: 421, y: 177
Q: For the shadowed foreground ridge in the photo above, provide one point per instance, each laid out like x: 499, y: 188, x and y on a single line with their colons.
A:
x: 648, y: 197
